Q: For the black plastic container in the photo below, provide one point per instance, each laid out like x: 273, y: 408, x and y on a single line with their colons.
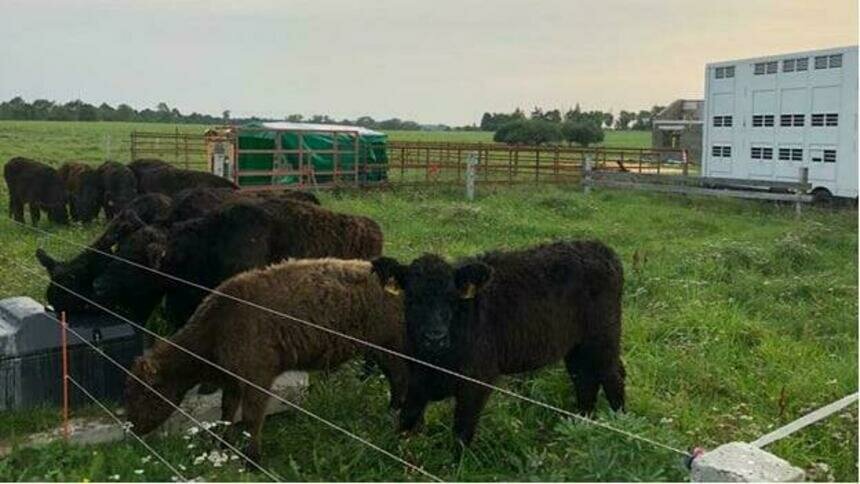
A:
x: 31, y: 364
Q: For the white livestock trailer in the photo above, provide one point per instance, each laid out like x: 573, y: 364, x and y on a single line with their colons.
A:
x: 767, y: 117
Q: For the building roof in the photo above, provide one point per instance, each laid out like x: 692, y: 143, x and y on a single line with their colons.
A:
x: 688, y: 110
x: 288, y: 126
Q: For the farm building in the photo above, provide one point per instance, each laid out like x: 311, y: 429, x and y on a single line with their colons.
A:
x: 767, y: 117
x: 679, y: 126
x: 262, y: 155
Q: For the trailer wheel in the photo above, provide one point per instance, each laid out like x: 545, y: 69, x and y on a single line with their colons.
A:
x: 822, y: 196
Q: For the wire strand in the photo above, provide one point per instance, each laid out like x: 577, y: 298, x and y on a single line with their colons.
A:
x: 268, y: 392
x: 367, y: 344
x: 126, y: 429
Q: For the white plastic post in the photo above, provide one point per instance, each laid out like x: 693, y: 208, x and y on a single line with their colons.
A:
x: 471, y: 164
x: 586, y: 174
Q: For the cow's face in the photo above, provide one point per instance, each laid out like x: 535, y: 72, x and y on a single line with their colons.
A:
x: 437, y: 296
x: 69, y: 280
x: 58, y: 214
x: 145, y: 409
x: 124, y: 285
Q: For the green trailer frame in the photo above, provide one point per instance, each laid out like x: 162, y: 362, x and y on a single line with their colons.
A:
x: 300, y: 155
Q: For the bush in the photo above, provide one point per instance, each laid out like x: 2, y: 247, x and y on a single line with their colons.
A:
x: 582, y: 133
x: 528, y: 132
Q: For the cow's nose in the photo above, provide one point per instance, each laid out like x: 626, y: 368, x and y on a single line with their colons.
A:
x: 436, y: 338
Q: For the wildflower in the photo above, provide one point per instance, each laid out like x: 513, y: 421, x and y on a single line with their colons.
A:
x: 146, y: 459
x: 246, y: 434
x: 193, y: 430
x: 138, y: 471
x: 114, y: 477
x: 190, y: 446
x: 666, y: 420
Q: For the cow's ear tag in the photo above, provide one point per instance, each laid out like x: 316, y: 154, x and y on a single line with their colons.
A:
x: 469, y: 291
x: 391, y: 287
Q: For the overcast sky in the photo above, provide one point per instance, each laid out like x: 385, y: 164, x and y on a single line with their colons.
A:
x: 429, y: 60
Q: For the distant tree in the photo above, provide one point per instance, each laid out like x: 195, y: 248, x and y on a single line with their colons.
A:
x: 553, y: 116
x: 528, y: 132
x: 622, y: 122
x: 225, y: 116
x: 583, y: 133
x: 295, y: 118
x: 124, y: 112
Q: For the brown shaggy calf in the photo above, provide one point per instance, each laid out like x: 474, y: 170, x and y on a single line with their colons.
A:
x: 344, y: 295
x: 37, y: 185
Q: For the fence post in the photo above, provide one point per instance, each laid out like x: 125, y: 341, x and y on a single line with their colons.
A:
x: 133, y: 147
x: 586, y: 177
x: 804, y: 179
x: 471, y: 163
x: 65, y: 357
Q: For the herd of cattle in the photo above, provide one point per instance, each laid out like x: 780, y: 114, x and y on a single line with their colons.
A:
x: 498, y: 313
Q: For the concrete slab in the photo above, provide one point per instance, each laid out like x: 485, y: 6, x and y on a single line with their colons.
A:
x: 742, y: 462
x: 205, y: 408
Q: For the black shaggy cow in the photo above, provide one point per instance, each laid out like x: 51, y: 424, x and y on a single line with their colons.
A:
x: 243, y: 234
x: 157, y: 176
x: 84, y: 190
x: 248, y: 233
x: 510, y: 312
x: 119, y: 187
x: 37, y: 185
x: 197, y: 202
x: 79, y: 273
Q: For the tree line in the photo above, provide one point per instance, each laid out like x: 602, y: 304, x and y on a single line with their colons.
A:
x: 625, y: 120
x: 539, y: 126
x: 44, y: 110
x: 552, y: 126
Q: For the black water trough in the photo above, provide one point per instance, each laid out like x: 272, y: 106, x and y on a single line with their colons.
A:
x: 31, y: 363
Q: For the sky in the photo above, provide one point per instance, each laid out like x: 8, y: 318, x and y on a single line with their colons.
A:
x: 433, y: 61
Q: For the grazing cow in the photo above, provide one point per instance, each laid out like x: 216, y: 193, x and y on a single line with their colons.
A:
x: 157, y: 176
x: 84, y: 190
x: 37, y: 185
x: 197, y: 202
x: 119, y: 187
x: 510, y: 312
x: 343, y: 295
x: 79, y: 273
x: 244, y: 234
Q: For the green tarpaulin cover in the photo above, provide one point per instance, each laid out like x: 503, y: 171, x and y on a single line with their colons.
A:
x: 314, y: 138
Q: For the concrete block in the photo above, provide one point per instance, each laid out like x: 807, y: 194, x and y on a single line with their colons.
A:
x: 742, y: 462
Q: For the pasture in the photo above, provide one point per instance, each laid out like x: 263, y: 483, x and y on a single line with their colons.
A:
x: 738, y: 318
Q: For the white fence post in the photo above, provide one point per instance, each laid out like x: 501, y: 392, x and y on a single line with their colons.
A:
x: 804, y: 179
x: 586, y: 176
x: 471, y: 163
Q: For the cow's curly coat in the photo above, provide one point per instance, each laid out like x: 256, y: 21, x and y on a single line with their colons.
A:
x: 344, y: 295
x: 510, y: 312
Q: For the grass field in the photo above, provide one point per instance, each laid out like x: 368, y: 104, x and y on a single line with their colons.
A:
x: 56, y: 142
x: 742, y: 319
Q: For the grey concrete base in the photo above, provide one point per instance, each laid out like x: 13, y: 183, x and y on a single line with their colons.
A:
x: 205, y: 408
x: 742, y: 462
